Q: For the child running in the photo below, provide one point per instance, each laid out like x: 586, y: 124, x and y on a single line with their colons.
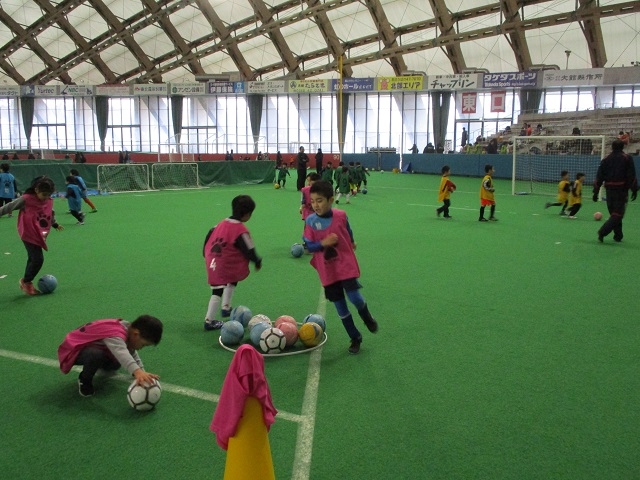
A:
x: 564, y: 187
x: 328, y: 236
x: 283, y: 171
x: 305, y: 202
x: 444, y: 194
x: 74, y: 199
x: 109, y: 344
x: 343, y: 184
x: 35, y: 220
x: 228, y: 249
x: 575, y: 199
x: 487, y: 194
x: 83, y: 189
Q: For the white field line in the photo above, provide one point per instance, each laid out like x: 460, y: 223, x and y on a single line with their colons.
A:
x: 306, y: 428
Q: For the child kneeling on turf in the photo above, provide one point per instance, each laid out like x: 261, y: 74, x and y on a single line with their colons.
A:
x: 109, y: 344
x: 328, y: 236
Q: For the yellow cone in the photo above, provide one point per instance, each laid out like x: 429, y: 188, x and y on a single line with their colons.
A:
x: 248, y: 453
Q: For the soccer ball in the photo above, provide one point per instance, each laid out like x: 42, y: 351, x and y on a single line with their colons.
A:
x: 276, y: 186
x: 297, y: 250
x: 144, y: 397
x: 47, y: 284
x: 260, y: 318
x: 364, y: 191
x: 596, y: 216
x: 285, y: 319
x: 272, y: 340
x: 241, y: 314
x: 232, y: 332
x: 316, y: 318
x: 310, y: 334
x: 256, y: 331
x: 290, y: 331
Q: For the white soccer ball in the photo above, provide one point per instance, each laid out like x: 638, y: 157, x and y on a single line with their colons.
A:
x: 259, y: 318
x: 272, y: 340
x: 144, y: 397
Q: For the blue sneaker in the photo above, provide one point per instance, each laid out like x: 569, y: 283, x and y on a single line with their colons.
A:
x: 212, y: 325
x: 225, y: 313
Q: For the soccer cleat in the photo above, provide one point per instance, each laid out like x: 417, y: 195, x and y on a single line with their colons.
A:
x: 80, y: 223
x: 225, y: 313
x: 600, y: 237
x: 85, y: 388
x: 212, y: 325
x: 354, y: 348
x: 95, y: 210
x: 28, y: 288
x: 448, y: 217
x: 493, y: 219
x: 483, y: 220
x: 572, y: 217
x: 563, y: 213
x: 547, y: 205
x: 368, y: 319
x: 438, y: 212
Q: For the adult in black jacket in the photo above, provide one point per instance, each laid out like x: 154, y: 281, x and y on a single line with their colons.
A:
x: 618, y: 175
x: 303, y: 160
x: 319, y: 157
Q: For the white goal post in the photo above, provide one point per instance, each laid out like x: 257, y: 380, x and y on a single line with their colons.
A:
x: 123, y: 177
x: 174, y: 176
x: 538, y: 161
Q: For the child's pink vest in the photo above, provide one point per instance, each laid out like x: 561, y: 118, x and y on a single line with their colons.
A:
x: 334, y: 263
x: 79, y: 338
x: 223, y: 261
x: 34, y: 221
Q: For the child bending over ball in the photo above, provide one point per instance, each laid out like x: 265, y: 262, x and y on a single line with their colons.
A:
x: 328, y: 236
x: 564, y: 187
x: 109, y: 344
x: 444, y: 194
x: 228, y: 249
x: 35, y: 220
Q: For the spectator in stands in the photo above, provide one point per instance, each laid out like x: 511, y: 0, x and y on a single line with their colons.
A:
x: 439, y: 149
x: 492, y: 146
x: 414, y: 149
x: 625, y: 138
x: 465, y: 137
x: 575, y: 131
x: 618, y: 174
x: 507, y: 130
x: 529, y: 130
x: 5, y: 156
x: 127, y: 158
x: 260, y: 157
x: 303, y: 160
x: 15, y: 156
x: 228, y: 156
x: 67, y: 156
x: 429, y: 148
x: 539, y: 129
x: 31, y: 156
x: 523, y: 130
x: 120, y: 157
x: 278, y: 159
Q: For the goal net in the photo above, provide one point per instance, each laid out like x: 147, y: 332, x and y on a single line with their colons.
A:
x: 174, y: 175
x: 538, y: 161
x: 130, y: 177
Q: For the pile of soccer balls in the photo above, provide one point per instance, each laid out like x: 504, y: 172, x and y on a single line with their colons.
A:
x: 272, y: 337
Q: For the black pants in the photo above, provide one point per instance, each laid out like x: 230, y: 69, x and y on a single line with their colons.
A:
x: 35, y: 260
x: 575, y: 208
x: 92, y: 359
x: 445, y: 208
x: 302, y: 178
x: 616, y: 204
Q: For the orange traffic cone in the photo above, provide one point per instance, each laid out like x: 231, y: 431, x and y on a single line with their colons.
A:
x: 249, y: 453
